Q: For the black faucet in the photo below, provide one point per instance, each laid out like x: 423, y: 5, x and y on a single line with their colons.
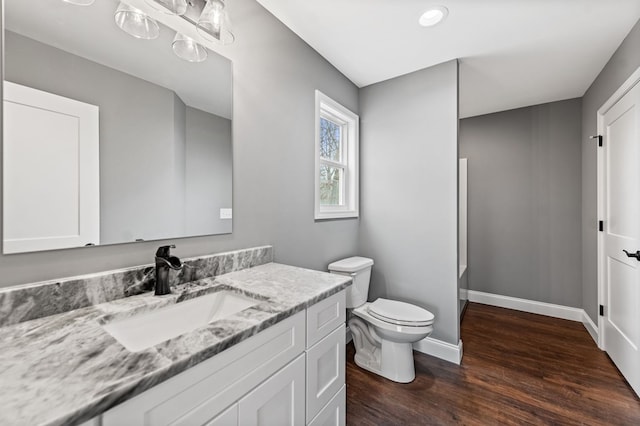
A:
x: 165, y: 262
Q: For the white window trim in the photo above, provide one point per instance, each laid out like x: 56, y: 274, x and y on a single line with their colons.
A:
x: 327, y: 106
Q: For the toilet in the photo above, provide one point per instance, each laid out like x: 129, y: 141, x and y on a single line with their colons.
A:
x: 383, y: 330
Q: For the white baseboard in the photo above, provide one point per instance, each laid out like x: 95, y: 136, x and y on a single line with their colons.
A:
x: 464, y: 294
x: 534, y: 307
x: 531, y: 306
x: 440, y: 349
x: 591, y: 327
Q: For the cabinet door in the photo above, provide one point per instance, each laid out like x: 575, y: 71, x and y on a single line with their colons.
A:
x: 228, y: 417
x: 279, y: 401
x: 325, y: 371
x: 334, y: 413
x: 325, y: 316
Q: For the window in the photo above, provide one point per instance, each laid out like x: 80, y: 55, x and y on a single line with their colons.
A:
x: 336, y: 168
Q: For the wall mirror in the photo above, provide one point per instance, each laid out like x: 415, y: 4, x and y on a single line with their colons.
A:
x: 109, y: 138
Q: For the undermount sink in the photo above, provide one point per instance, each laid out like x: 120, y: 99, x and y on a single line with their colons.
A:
x: 147, y: 329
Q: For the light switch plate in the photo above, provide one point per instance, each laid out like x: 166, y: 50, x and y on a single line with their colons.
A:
x: 226, y: 213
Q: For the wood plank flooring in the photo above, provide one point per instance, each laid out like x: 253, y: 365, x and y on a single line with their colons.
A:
x: 517, y: 369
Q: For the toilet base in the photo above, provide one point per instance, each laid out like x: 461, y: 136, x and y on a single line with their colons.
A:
x: 392, y: 360
x: 400, y: 370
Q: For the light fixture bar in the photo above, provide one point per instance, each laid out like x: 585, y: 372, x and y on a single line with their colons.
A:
x: 193, y: 11
x: 80, y: 2
x: 192, y: 15
x: 173, y: 7
x: 186, y: 25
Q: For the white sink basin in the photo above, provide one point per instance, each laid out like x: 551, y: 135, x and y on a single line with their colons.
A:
x: 147, y: 329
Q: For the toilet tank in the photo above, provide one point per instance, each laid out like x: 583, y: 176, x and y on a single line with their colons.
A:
x: 359, y: 268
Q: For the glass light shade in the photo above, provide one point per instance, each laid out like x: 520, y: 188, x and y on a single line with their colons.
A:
x: 178, y: 7
x: 214, y: 24
x: 136, y: 23
x: 186, y: 48
x: 80, y: 2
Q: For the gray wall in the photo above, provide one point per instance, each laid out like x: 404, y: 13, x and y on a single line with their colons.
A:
x: 208, y: 162
x: 524, y: 202
x: 622, y: 64
x: 409, y: 172
x: 142, y: 142
x: 180, y: 167
x: 275, y: 75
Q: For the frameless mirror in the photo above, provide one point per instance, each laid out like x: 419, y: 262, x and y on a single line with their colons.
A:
x: 109, y: 138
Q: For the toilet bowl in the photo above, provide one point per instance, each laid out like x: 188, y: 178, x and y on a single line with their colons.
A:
x: 384, y: 330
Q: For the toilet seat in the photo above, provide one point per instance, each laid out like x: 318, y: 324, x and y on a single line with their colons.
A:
x: 364, y: 313
x: 400, y: 313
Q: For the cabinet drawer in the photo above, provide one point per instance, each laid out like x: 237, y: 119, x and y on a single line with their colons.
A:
x: 325, y: 316
x: 277, y: 402
x: 334, y: 413
x: 325, y: 371
x: 197, y: 395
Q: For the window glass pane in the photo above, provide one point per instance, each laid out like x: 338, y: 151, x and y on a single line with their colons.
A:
x: 330, y: 140
x: 331, y: 185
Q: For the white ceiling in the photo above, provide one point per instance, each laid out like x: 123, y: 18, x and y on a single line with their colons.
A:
x: 513, y: 53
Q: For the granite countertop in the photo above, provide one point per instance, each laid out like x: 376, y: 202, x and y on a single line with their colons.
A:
x: 64, y: 369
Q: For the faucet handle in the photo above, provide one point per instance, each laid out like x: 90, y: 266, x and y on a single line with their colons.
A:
x: 164, y: 251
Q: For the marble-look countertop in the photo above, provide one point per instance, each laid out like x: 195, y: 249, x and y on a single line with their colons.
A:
x: 64, y: 369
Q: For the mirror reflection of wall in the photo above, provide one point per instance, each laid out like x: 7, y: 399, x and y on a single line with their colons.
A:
x: 165, y: 147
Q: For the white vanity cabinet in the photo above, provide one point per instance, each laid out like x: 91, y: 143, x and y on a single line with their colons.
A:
x: 278, y: 401
x: 325, y: 356
x: 227, y: 417
x: 292, y: 373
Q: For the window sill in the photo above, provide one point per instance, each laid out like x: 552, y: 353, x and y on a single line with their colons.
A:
x: 351, y: 214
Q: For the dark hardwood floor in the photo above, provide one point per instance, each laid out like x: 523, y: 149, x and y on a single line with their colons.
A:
x: 517, y: 369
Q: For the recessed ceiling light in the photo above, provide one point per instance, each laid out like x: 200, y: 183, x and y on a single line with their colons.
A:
x: 433, y: 16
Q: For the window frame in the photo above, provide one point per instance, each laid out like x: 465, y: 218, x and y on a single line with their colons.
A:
x: 327, y: 108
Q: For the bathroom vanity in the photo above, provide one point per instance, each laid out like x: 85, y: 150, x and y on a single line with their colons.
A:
x: 292, y: 373
x: 279, y: 361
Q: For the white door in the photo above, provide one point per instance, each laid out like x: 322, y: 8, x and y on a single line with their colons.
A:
x: 51, y: 171
x: 279, y: 401
x: 620, y: 323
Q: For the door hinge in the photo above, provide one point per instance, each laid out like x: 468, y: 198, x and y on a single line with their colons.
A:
x: 601, y: 225
x: 599, y: 137
x: 601, y: 310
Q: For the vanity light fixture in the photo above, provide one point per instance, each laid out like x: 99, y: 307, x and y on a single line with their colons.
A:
x: 186, y: 48
x: 80, y: 2
x: 136, y: 23
x: 176, y: 7
x: 208, y: 17
x: 433, y: 16
x: 214, y: 23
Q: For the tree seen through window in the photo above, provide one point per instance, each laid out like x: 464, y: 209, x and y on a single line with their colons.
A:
x: 330, y: 149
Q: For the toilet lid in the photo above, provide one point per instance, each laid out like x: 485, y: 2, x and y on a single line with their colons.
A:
x: 400, y: 313
x: 351, y: 264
